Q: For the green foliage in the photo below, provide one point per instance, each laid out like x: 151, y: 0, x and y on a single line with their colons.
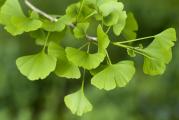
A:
x: 64, y: 68
x: 129, y: 31
x: 80, y: 30
x: 37, y: 66
x: 12, y: 16
x: 49, y: 31
x: 116, y: 75
x: 78, y: 103
x: 159, y: 52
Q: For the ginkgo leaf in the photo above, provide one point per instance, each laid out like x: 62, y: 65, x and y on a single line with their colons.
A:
x: 53, y: 26
x: 159, y: 52
x: 12, y: 16
x: 84, y: 59
x: 40, y: 36
x: 110, y: 10
x: 131, y: 27
x: 87, y: 60
x: 37, y: 66
x: 111, y: 19
x: 109, y: 6
x: 80, y: 30
x: 78, y: 103
x: 64, y: 68
x: 117, y: 28
x: 103, y: 39
x: 153, y: 67
x: 116, y: 75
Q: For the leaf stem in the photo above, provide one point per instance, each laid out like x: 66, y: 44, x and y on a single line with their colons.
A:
x: 40, y: 11
x: 81, y: 6
x: 83, y: 80
x: 84, y: 45
x: 132, y: 48
x: 93, y: 13
x: 138, y: 39
x: 108, y: 30
x: 108, y: 58
x: 84, y: 71
x: 46, y: 40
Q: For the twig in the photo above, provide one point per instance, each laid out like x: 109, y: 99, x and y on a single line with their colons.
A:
x: 40, y: 12
x: 53, y: 19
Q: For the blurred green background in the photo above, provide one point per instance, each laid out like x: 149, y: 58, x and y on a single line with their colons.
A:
x: 145, y: 97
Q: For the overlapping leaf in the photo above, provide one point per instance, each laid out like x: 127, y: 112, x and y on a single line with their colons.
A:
x: 131, y: 27
x: 80, y: 30
x: 53, y: 26
x: 84, y: 59
x: 37, y: 66
x: 87, y: 60
x: 78, y: 103
x: 40, y: 36
x: 159, y: 52
x: 116, y: 75
x: 64, y: 68
x: 117, y: 28
x: 12, y: 16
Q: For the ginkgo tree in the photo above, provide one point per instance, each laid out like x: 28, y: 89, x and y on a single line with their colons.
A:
x: 73, y: 62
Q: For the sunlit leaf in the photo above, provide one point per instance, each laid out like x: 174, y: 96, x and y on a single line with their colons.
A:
x: 37, y: 66
x: 12, y: 16
x: 78, y: 103
x: 80, y: 30
x: 131, y: 27
x: 53, y: 26
x: 64, y: 68
x: 84, y: 59
x: 159, y: 52
x: 103, y: 39
x: 40, y: 36
x: 116, y: 75
x: 117, y: 28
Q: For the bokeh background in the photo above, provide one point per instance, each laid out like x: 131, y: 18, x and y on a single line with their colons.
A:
x: 144, y: 98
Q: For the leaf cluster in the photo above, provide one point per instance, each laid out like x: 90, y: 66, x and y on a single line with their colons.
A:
x: 67, y: 62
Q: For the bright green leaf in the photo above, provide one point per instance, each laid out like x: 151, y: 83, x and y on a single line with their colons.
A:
x: 53, y: 26
x: 80, y: 30
x: 64, y: 68
x: 84, y: 59
x: 37, y: 66
x: 103, y: 39
x: 87, y: 60
x: 109, y: 6
x: 12, y: 16
x: 78, y: 103
x: 131, y: 27
x: 117, y: 75
x: 117, y: 28
x: 159, y: 52
x: 40, y: 36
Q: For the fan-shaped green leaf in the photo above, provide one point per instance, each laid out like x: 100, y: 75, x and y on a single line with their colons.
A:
x: 12, y: 16
x: 131, y: 27
x: 37, y: 66
x: 84, y: 59
x: 117, y: 28
x: 87, y: 60
x: 103, y: 39
x: 109, y: 6
x: 53, y: 26
x: 80, y: 30
x: 78, y: 103
x: 40, y: 36
x: 117, y: 75
x: 159, y: 52
x: 64, y: 68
